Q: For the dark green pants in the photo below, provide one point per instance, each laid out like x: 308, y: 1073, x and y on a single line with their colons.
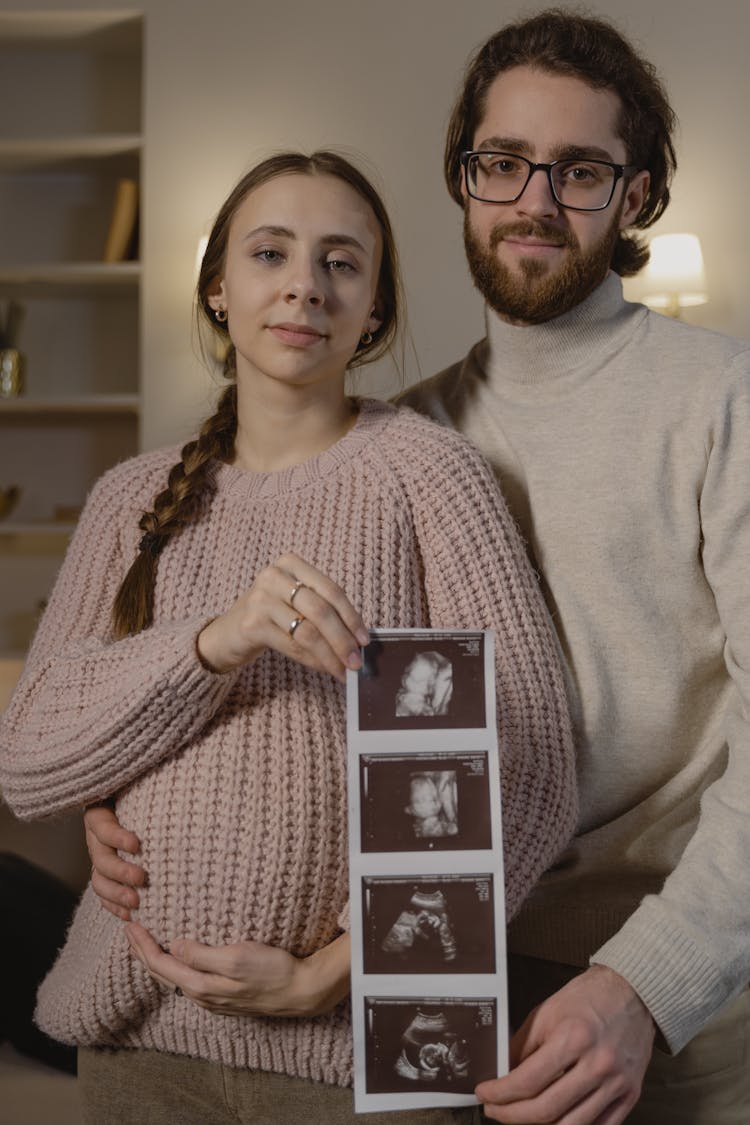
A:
x: 152, y: 1088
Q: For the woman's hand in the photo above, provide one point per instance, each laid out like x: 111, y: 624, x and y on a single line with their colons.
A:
x: 113, y: 879
x: 326, y: 639
x: 247, y: 978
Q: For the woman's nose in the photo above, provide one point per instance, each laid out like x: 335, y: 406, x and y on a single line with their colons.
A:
x: 303, y: 286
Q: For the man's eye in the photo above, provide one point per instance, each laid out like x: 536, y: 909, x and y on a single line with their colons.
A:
x: 581, y: 173
x: 504, y: 166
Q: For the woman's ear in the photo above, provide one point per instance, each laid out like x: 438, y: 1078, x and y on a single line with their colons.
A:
x: 217, y: 298
x: 374, y: 321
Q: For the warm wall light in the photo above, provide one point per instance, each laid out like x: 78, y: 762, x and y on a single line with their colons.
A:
x: 674, y: 278
x: 202, y: 244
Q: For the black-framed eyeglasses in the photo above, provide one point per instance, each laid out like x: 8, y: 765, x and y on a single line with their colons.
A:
x: 581, y: 185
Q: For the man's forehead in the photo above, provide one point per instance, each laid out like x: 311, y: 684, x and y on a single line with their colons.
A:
x: 549, y: 116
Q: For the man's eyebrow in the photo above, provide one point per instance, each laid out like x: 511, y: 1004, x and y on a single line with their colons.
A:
x: 285, y: 232
x: 503, y: 144
x: 558, y: 152
x: 582, y: 152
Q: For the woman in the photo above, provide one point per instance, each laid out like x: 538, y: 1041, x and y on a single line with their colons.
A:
x: 209, y: 702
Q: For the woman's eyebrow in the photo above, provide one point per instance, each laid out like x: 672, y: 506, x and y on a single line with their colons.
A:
x: 278, y: 232
x: 286, y: 232
x: 342, y: 240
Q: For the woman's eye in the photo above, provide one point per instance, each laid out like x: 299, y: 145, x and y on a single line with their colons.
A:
x: 267, y: 255
x: 338, y: 265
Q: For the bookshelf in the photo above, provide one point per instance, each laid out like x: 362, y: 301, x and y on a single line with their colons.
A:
x: 64, y: 156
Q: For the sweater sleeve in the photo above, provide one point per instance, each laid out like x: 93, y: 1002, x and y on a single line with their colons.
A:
x: 91, y: 714
x: 685, y: 950
x: 477, y: 575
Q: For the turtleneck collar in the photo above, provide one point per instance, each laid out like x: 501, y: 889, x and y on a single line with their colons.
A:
x: 569, y: 346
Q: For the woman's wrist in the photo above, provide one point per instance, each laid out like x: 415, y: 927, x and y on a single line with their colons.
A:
x: 323, y: 977
x: 207, y: 655
x: 213, y: 652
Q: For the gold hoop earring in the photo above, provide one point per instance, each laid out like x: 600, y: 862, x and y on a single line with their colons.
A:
x: 365, y: 339
x: 221, y: 315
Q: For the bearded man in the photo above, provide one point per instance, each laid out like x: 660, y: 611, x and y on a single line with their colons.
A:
x: 622, y: 442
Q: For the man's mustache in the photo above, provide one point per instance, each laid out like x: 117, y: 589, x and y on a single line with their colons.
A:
x: 543, y: 231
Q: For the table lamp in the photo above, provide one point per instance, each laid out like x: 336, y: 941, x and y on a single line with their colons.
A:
x: 674, y: 278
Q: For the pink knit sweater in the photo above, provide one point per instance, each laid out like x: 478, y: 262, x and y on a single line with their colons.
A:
x: 236, y: 783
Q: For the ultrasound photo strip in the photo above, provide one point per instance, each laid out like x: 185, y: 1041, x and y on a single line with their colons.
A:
x: 427, y: 902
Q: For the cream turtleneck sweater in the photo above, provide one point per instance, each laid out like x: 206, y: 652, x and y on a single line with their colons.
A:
x: 622, y: 442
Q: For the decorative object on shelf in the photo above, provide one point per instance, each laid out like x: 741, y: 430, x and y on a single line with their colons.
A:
x: 9, y: 497
x: 11, y: 359
x: 674, y: 278
x: 67, y: 513
x: 11, y: 372
x: 122, y: 237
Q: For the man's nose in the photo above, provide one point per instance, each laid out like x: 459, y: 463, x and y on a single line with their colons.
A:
x: 537, y: 199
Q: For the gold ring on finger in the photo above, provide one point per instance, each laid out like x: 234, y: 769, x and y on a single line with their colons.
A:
x: 298, y: 585
x: 295, y: 625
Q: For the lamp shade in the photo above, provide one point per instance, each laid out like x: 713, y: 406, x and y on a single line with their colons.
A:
x: 202, y: 244
x: 674, y: 277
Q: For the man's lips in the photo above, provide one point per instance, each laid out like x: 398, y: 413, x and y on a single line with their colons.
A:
x: 533, y: 245
x: 299, y: 335
x: 530, y: 239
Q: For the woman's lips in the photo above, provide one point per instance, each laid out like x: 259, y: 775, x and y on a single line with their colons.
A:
x: 298, y: 335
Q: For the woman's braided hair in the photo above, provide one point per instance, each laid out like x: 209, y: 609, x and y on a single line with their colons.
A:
x: 191, y: 481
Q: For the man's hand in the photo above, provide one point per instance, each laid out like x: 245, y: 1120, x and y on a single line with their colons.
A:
x: 247, y: 978
x: 113, y: 879
x: 578, y: 1059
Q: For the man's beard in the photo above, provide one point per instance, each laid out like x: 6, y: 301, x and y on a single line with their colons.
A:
x: 535, y: 294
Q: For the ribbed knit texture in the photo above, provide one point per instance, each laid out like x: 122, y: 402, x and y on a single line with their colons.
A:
x: 622, y: 442
x: 236, y: 784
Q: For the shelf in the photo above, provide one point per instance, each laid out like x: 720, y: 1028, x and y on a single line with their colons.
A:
x: 57, y: 279
x: 36, y: 527
x: 72, y: 135
x: 96, y: 30
x: 65, y: 153
x: 82, y: 404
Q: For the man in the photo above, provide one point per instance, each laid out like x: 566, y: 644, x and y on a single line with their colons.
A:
x: 621, y: 441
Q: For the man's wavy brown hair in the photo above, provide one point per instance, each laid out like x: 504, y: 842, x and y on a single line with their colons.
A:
x: 563, y: 42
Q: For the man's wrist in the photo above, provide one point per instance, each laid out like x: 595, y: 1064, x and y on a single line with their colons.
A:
x: 617, y: 982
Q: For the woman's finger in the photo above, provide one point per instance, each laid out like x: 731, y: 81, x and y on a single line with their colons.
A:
x: 327, y: 590
x: 162, y: 966
x: 308, y: 646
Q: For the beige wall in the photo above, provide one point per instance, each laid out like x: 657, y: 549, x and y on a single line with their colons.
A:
x: 228, y: 81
